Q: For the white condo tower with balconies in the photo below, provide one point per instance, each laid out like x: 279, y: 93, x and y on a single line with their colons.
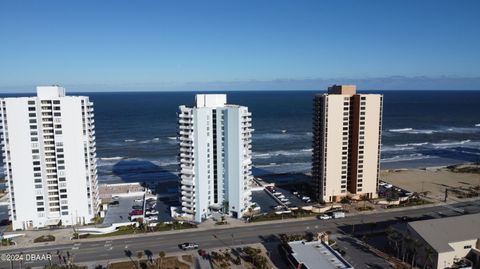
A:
x: 215, y: 157
x: 48, y: 144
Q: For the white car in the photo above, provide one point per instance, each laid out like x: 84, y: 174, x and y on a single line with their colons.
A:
x: 152, y: 212
x: 151, y: 218
x: 324, y: 217
x: 138, y: 200
x: 188, y: 246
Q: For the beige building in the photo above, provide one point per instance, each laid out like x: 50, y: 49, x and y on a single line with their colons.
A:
x: 444, y: 243
x: 346, y: 143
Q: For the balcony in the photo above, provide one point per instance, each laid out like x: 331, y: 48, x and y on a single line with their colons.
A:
x: 188, y: 210
x: 187, y: 182
x: 187, y: 204
x: 187, y: 188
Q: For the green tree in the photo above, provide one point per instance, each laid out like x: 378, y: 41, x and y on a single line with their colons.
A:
x: 225, y: 206
x: 161, y: 255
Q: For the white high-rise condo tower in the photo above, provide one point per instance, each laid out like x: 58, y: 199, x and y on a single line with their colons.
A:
x: 215, y: 157
x: 48, y: 145
x: 347, y: 130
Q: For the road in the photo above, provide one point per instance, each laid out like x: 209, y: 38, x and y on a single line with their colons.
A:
x: 108, y: 249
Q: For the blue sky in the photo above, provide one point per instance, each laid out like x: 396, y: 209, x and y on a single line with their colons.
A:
x: 182, y: 45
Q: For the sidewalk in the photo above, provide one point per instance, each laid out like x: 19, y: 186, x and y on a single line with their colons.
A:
x: 63, y: 235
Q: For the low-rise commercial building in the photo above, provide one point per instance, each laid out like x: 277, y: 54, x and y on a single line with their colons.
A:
x: 315, y: 254
x: 443, y: 243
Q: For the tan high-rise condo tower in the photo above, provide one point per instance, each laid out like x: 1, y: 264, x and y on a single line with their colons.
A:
x: 347, y: 129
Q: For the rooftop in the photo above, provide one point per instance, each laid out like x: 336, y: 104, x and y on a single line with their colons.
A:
x: 211, y: 100
x: 342, y: 89
x: 317, y: 254
x: 438, y: 233
x: 48, y: 92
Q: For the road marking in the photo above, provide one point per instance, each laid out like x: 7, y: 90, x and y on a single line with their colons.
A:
x: 308, y: 227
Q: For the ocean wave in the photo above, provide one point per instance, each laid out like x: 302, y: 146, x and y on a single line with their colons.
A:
x: 449, y: 144
x: 280, y: 135
x: 112, y: 158
x: 412, y: 144
x: 409, y: 157
x: 412, y: 131
x: 166, y: 162
x: 148, y: 141
x: 462, y: 130
x: 282, y: 164
x: 172, y: 137
x: 396, y: 148
x: 444, y: 129
x: 129, y: 140
x: 297, y: 152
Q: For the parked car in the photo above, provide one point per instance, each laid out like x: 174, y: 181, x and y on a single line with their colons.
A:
x: 114, y: 203
x: 137, y: 207
x: 188, y: 246
x: 136, y: 212
x: 338, y: 215
x: 151, y: 218
x: 151, y: 212
x: 324, y: 217
x: 138, y: 200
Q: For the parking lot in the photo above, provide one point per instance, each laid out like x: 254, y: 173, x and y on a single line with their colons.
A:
x: 119, y: 213
x: 264, y: 200
x: 267, y: 203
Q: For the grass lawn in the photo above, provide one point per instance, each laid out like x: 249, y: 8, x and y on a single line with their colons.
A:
x: 167, y: 263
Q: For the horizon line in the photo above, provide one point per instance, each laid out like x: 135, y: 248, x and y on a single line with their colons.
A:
x: 219, y: 91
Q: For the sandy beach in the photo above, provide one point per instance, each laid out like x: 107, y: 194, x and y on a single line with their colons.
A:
x: 433, y: 179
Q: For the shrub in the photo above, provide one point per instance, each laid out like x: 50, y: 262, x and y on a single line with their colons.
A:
x: 44, y: 238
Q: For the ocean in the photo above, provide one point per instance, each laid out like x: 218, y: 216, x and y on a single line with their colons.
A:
x: 136, y: 131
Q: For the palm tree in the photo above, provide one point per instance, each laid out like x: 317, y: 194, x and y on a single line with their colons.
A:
x: 407, y: 241
x: 416, y: 245
x: 393, y: 238
x: 139, y: 257
x: 128, y: 253
x: 428, y: 255
x: 161, y: 255
x: 250, y: 211
x: 225, y: 206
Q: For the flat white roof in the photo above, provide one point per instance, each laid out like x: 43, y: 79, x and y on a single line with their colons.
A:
x: 50, y: 92
x: 211, y: 100
x: 317, y: 254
